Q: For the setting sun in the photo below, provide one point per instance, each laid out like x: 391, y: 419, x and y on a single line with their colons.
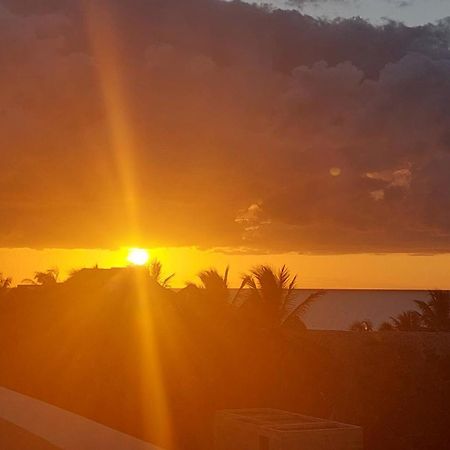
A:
x: 138, y: 256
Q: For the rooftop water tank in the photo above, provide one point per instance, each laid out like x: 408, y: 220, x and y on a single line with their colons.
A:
x: 272, y: 429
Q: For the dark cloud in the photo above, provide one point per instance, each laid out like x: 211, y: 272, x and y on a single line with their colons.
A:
x: 302, y: 3
x: 246, y: 127
x: 402, y: 3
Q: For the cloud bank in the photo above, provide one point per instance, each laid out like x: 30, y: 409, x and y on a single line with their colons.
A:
x: 245, y: 127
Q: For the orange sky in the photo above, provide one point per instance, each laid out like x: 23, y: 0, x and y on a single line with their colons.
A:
x: 396, y: 271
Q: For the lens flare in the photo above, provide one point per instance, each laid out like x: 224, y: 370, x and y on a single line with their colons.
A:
x: 102, y: 25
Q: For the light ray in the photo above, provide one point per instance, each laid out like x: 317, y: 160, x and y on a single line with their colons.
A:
x: 105, y: 42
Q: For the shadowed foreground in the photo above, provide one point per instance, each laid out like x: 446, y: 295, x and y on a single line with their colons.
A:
x: 116, y: 347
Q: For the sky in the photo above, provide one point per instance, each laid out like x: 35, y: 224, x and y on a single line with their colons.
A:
x: 226, y: 132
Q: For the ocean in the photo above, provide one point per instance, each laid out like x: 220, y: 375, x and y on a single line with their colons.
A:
x: 339, y: 308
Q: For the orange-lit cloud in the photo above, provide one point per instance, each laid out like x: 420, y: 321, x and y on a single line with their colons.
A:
x: 200, y: 122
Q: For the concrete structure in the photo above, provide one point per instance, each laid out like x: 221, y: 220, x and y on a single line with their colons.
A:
x: 272, y: 429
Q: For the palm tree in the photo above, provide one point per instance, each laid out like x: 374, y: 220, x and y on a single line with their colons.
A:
x: 210, y: 303
x: 435, y: 313
x: 156, y: 273
x: 5, y: 282
x: 363, y: 325
x: 216, y: 287
x: 272, y: 293
x: 386, y: 326
x: 47, y: 278
x: 406, y: 321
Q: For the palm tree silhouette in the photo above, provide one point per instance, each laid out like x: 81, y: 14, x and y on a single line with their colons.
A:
x: 156, y: 273
x: 210, y: 302
x: 435, y: 313
x: 363, y: 325
x: 47, y: 278
x: 406, y: 321
x: 5, y: 282
x: 216, y: 286
x: 386, y: 326
x: 272, y: 294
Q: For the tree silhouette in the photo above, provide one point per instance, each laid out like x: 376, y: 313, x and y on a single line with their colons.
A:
x: 215, y: 286
x: 386, y: 326
x: 406, y: 321
x: 271, y: 296
x: 47, y: 278
x: 435, y: 313
x: 363, y: 325
x: 156, y: 273
x: 210, y: 303
x: 5, y: 282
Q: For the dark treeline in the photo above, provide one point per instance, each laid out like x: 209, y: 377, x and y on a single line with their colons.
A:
x: 119, y: 346
x: 265, y: 296
x: 432, y: 315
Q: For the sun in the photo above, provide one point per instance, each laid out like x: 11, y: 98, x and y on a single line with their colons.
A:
x: 138, y: 256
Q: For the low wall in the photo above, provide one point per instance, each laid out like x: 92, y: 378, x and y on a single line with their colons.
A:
x: 396, y: 385
x: 419, y: 344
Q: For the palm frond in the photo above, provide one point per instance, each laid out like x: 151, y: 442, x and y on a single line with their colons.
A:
x: 166, y: 282
x: 385, y: 326
x: 225, y: 275
x: 290, y: 291
x: 283, y: 277
x: 423, y: 306
x: 249, y: 281
x: 6, y: 282
x: 156, y: 269
x: 302, y: 307
x: 238, y: 293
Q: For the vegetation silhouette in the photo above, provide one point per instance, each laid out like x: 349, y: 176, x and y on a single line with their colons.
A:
x: 209, y: 303
x: 271, y: 296
x: 405, y: 321
x: 114, y: 345
x: 363, y: 325
x: 5, y: 283
x: 47, y: 278
x: 215, y: 286
x: 433, y: 315
x: 156, y: 273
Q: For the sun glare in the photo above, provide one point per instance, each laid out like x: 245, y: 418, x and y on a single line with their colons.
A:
x: 138, y: 256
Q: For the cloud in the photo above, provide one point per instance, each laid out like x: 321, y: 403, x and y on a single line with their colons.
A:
x: 394, y: 178
x: 402, y: 3
x: 400, y: 178
x: 196, y: 108
x: 301, y: 3
x: 252, y: 219
x: 377, y: 195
